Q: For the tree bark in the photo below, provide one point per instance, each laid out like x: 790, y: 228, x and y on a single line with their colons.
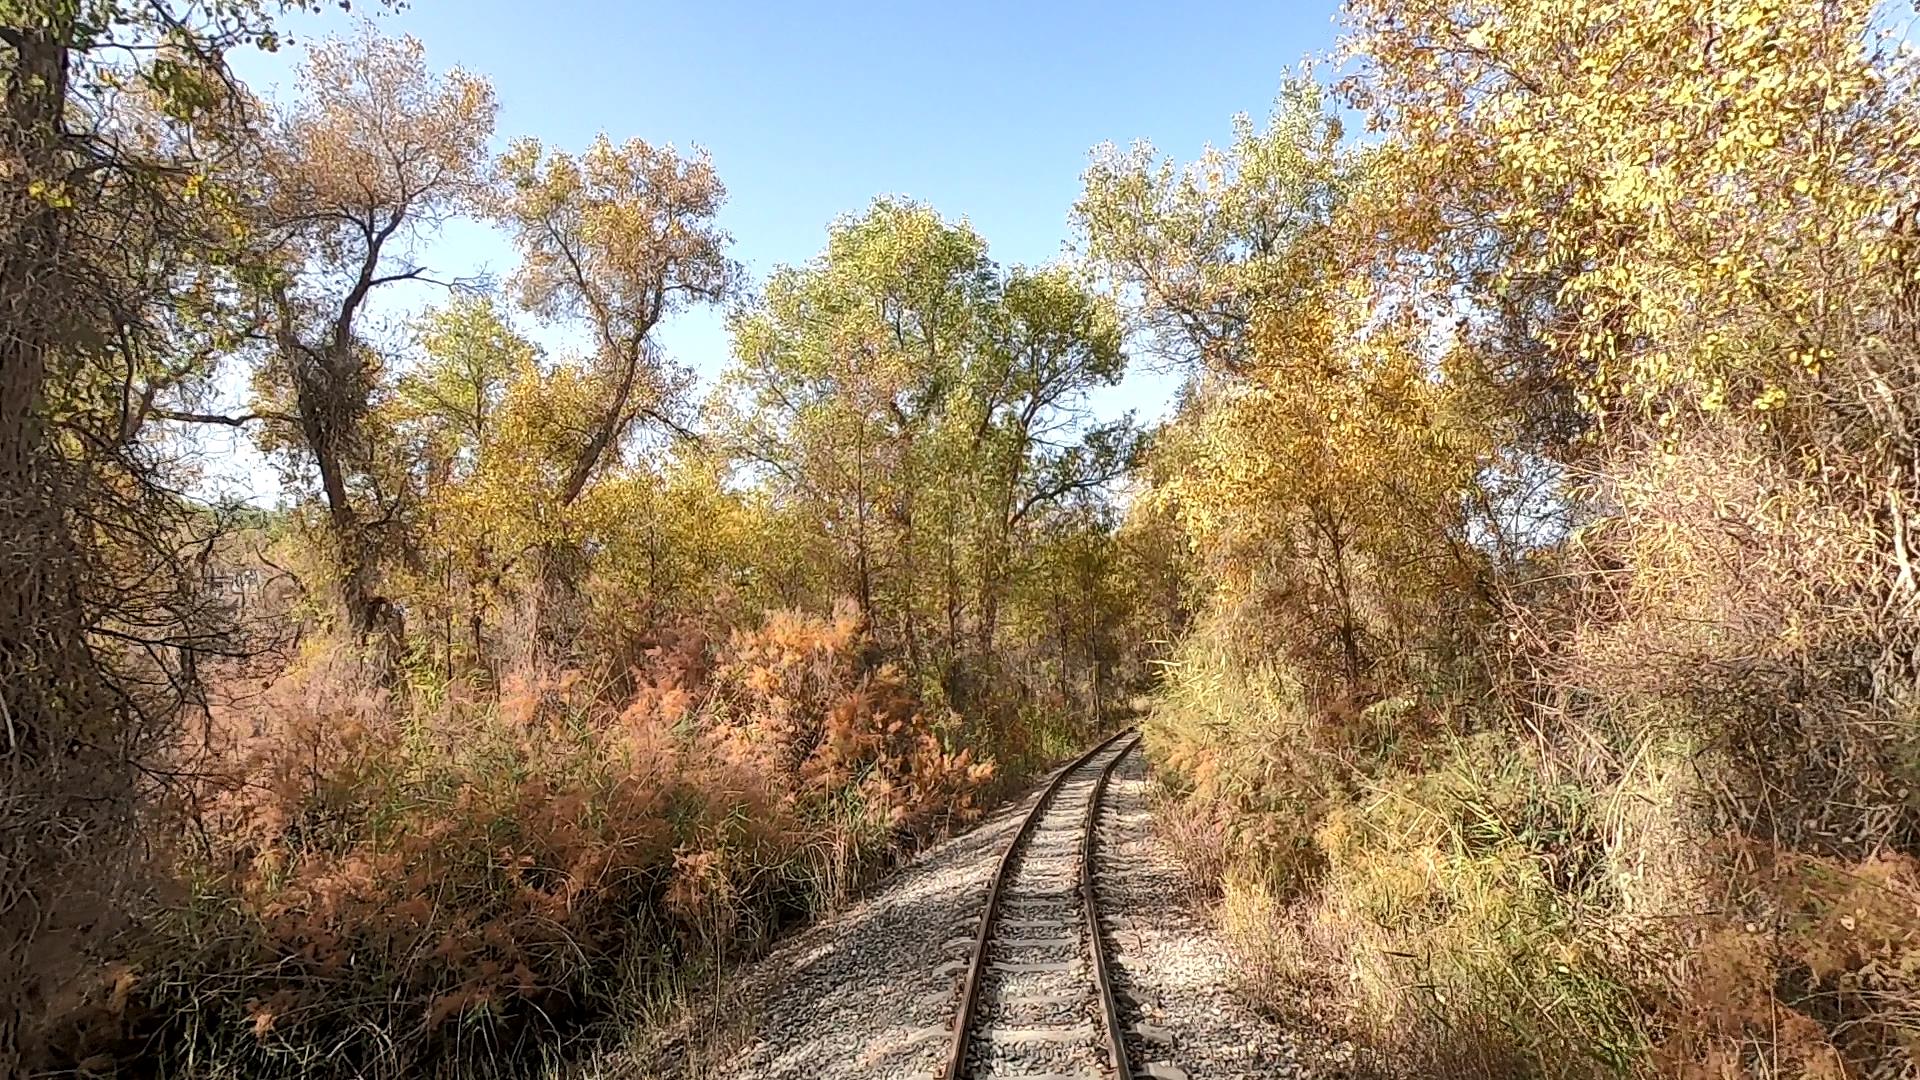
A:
x: 64, y: 791
x: 1348, y: 630
x: 328, y: 402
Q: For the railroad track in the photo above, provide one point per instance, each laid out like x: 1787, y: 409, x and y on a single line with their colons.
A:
x: 1038, y: 1002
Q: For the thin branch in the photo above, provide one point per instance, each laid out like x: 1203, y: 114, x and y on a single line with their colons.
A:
x: 241, y: 420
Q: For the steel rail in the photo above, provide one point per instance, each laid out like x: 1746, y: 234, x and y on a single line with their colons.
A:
x: 970, y: 990
x: 1102, y: 978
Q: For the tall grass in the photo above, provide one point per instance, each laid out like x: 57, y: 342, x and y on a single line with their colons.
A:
x: 1590, y: 886
x: 431, y: 880
x: 1425, y: 889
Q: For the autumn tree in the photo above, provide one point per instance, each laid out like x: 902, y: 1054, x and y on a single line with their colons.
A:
x: 1199, y: 245
x: 927, y: 406
x: 1050, y: 341
x: 1721, y: 199
x: 106, y: 234
x: 617, y: 239
x: 1326, y: 447
x: 1571, y: 420
x: 1724, y: 201
x: 1070, y: 603
x: 447, y: 409
x: 376, y: 149
x: 845, y: 364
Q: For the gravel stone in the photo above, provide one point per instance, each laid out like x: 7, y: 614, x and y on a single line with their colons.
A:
x: 1170, y: 969
x: 863, y: 994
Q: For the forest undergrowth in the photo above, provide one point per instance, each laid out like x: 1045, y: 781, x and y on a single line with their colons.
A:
x: 381, y: 881
x: 1548, y: 710
x: 369, y: 877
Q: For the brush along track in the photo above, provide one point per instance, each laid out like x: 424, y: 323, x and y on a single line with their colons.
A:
x: 1037, y: 1001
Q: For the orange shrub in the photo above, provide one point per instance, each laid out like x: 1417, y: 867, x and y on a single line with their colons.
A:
x: 375, y: 892
x: 800, y: 696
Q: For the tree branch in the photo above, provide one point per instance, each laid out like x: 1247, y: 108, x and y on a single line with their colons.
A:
x: 241, y: 420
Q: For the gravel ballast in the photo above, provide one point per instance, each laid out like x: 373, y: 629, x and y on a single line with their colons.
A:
x: 870, y: 993
x: 1170, y: 967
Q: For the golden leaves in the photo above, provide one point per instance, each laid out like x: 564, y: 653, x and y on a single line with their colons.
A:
x: 1687, y: 172
x: 617, y: 235
x: 376, y: 136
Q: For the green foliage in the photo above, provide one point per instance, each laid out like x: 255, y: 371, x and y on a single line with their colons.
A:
x: 1202, y: 244
x: 922, y: 405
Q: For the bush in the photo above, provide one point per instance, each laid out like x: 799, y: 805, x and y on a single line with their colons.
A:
x: 368, y: 888
x: 1428, y: 890
x: 1742, y: 655
x: 1443, y: 905
x: 1680, y: 844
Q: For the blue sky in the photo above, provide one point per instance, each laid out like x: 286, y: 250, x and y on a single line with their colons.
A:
x: 985, y: 111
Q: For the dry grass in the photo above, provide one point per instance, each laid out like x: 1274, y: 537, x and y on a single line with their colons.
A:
x: 379, y: 883
x: 1675, y: 838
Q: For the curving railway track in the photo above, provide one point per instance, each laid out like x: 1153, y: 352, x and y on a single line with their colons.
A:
x: 1037, y: 1001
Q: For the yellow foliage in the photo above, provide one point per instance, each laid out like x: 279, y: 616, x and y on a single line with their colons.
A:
x: 1722, y: 191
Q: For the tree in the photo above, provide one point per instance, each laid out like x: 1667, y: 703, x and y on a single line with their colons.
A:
x: 376, y: 149
x: 1051, y: 341
x: 1331, y: 438
x: 1196, y: 245
x: 447, y: 409
x: 1722, y: 203
x: 925, y: 406
x: 100, y: 223
x: 846, y: 366
x: 620, y: 238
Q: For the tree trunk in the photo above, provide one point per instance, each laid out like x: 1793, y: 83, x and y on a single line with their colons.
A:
x: 554, y: 619
x: 480, y: 576
x: 999, y: 546
x: 1348, y: 630
x: 863, y: 569
x: 1060, y: 627
x: 317, y: 405
x: 64, y: 790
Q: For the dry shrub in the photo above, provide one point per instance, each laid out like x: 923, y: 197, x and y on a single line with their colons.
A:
x: 1737, y: 610
x: 1458, y: 925
x: 414, y: 896
x: 1680, y: 841
x: 1252, y: 762
x: 374, y: 890
x: 1027, y: 732
x: 1740, y: 600
x: 1439, y: 897
x: 1195, y: 832
x: 1297, y: 960
x: 1826, y: 985
x: 803, y: 697
x: 1472, y: 896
